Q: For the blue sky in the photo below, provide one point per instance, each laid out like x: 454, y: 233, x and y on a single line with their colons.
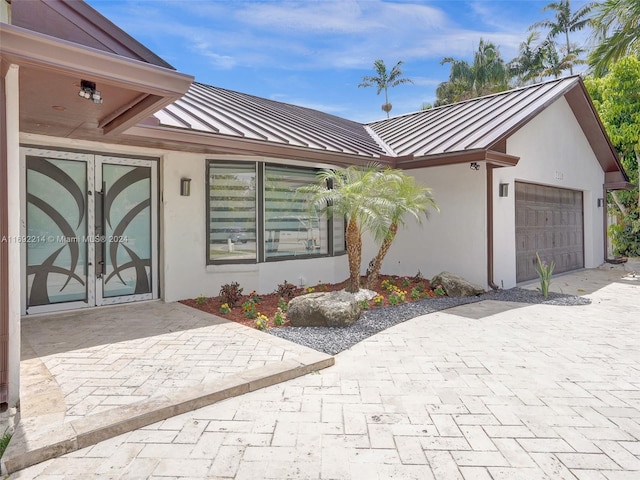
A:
x: 315, y: 53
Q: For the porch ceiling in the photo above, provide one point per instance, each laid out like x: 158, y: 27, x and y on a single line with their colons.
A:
x: 50, y: 73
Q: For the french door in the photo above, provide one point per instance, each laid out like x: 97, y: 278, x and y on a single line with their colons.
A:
x: 90, y: 233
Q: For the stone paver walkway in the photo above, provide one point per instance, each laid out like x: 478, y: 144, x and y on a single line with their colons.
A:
x: 525, y: 392
x: 116, y: 356
x: 90, y: 375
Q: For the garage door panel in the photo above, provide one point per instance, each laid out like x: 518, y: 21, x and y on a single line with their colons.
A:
x: 549, y: 221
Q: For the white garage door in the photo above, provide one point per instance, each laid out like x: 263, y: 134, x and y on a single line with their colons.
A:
x: 549, y: 221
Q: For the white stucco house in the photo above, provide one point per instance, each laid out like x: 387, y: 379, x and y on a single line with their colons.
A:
x: 124, y: 180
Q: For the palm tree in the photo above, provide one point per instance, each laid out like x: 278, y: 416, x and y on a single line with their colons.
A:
x: 407, y: 198
x: 617, y: 29
x: 564, y: 22
x: 384, y: 80
x: 351, y: 193
x: 555, y: 62
x: 528, y: 65
x: 487, y: 74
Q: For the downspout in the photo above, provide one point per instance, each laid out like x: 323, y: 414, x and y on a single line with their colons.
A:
x: 605, y: 222
x: 490, y: 281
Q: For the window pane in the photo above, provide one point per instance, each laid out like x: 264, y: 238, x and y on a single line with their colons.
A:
x: 232, y: 211
x: 290, y: 229
x: 338, y: 234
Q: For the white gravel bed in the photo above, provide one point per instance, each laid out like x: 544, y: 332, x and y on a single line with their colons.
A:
x: 333, y: 340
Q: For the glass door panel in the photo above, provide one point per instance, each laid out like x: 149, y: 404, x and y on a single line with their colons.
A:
x: 56, y: 231
x: 126, y: 257
x: 90, y: 232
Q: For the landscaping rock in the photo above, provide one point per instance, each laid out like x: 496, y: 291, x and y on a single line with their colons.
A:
x: 323, y: 309
x: 455, y: 286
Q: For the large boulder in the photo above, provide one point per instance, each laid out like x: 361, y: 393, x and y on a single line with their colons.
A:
x: 455, y: 286
x: 323, y: 309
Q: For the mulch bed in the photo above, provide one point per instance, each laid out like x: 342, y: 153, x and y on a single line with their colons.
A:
x: 268, y: 303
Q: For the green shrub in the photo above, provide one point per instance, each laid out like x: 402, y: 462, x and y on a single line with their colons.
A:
x: 626, y: 236
x: 278, y: 318
x: 397, y: 296
x: 262, y: 322
x: 249, y: 309
x: 282, y: 304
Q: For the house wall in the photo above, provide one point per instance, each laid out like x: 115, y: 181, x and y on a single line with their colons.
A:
x: 454, y: 240
x: 186, y: 272
x: 553, y: 151
x: 183, y: 269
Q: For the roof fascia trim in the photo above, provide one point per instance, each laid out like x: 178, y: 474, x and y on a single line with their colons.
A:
x: 573, y: 97
x: 497, y: 159
x: 617, y: 181
x: 560, y: 93
x: 24, y: 47
x: 105, y: 27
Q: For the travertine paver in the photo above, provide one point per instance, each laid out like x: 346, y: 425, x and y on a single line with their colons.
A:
x: 533, y: 392
x: 116, y: 356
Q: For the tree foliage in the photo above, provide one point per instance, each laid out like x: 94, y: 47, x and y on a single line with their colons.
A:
x: 487, y: 74
x: 371, y: 200
x: 537, y: 58
x: 565, y: 21
x: 350, y: 193
x: 407, y: 199
x: 529, y: 64
x: 616, y: 97
x: 384, y: 80
x: 617, y: 33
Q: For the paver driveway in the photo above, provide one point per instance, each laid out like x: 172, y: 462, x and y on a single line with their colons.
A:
x: 523, y: 392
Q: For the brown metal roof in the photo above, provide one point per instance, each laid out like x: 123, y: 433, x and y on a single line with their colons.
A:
x: 224, y: 112
x: 475, y: 124
x: 443, y: 135
x: 77, y: 22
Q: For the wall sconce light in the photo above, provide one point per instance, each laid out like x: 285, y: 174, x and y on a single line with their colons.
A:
x: 474, y: 166
x: 601, y: 202
x: 185, y: 187
x: 503, y: 190
x: 88, y: 91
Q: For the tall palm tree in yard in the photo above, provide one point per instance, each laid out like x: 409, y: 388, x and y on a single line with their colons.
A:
x: 556, y: 61
x: 406, y: 199
x: 385, y: 80
x: 564, y: 22
x: 351, y: 193
x: 617, y: 29
x: 487, y: 74
x: 528, y: 65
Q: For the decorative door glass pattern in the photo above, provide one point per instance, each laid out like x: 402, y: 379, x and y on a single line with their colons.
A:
x: 126, y: 224
x: 90, y: 232
x: 56, y: 234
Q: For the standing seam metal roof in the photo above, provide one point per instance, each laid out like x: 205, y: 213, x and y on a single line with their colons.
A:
x: 470, y: 125
x: 474, y: 124
x: 219, y: 111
